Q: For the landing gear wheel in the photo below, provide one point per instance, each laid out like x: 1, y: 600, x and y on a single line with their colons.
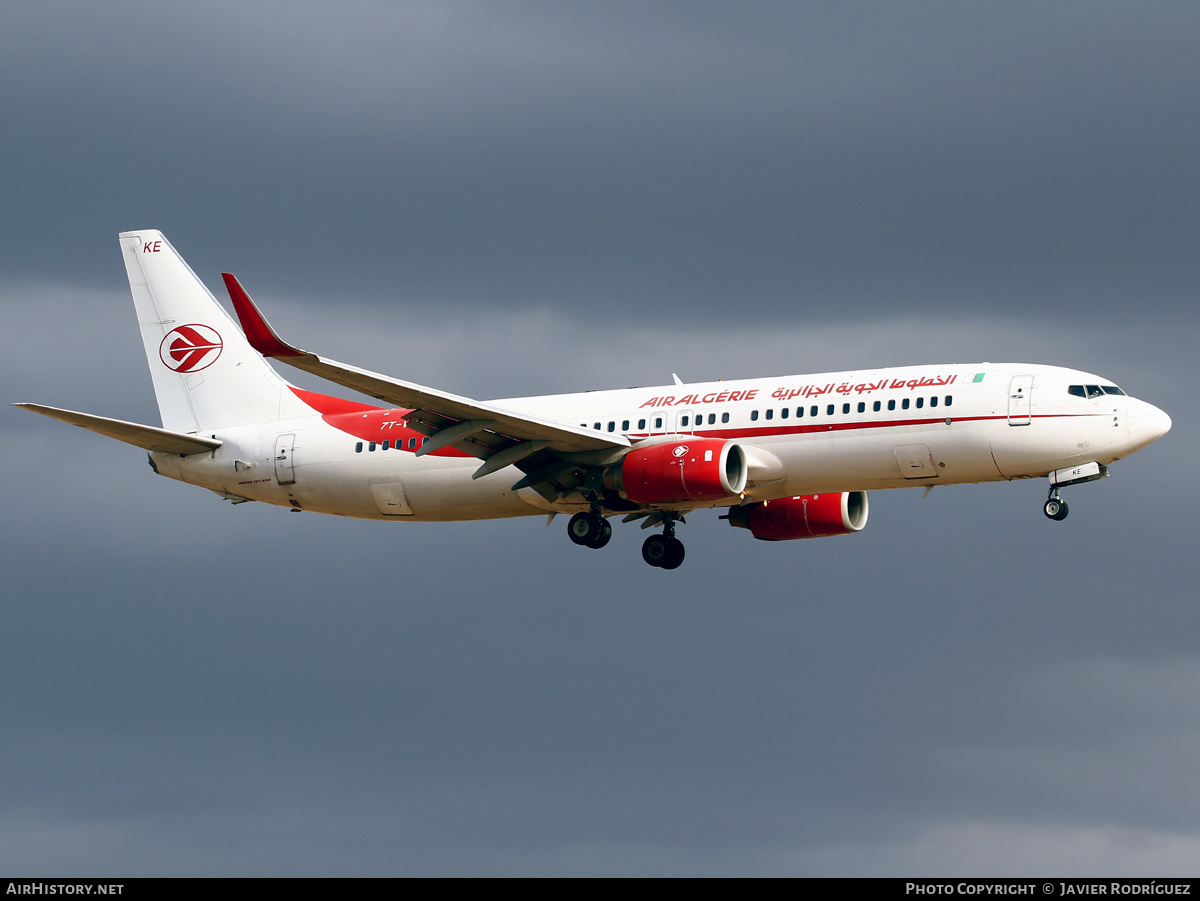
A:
x: 665, y: 552
x: 1056, y: 509
x: 586, y: 528
x: 603, y: 538
x: 674, y: 554
x: 654, y: 550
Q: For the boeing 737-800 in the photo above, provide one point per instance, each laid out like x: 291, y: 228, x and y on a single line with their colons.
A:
x: 789, y: 457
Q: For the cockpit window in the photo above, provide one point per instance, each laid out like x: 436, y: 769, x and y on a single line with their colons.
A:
x: 1093, y: 391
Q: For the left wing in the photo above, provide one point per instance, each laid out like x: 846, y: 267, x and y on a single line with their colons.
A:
x: 497, y: 435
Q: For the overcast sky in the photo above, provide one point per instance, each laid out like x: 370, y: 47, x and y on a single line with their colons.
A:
x: 510, y: 198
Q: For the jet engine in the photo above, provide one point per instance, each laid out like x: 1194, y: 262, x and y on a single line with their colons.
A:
x: 678, y: 471
x: 806, y: 516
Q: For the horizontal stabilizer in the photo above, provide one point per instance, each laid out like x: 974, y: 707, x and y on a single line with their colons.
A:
x: 143, y: 436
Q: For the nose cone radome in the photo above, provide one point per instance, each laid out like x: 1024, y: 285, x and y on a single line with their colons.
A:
x: 1147, y: 423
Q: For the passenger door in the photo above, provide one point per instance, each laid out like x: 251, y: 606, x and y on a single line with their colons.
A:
x: 1020, y: 391
x: 285, y: 471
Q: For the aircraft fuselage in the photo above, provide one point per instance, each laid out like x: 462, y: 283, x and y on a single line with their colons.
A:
x: 832, y: 432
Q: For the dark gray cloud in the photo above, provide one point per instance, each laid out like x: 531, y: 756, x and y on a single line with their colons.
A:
x: 644, y: 160
x: 493, y: 196
x: 179, y: 669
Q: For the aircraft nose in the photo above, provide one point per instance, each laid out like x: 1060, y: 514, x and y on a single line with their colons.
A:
x: 1147, y: 423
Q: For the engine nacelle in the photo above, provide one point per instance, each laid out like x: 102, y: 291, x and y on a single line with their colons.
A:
x: 678, y: 471
x: 807, y: 516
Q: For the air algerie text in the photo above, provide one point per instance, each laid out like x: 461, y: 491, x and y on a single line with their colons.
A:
x: 724, y: 397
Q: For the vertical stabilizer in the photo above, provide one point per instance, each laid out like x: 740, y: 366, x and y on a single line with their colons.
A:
x: 206, y: 375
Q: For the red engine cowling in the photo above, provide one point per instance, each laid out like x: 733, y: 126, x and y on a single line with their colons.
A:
x: 682, y: 470
x: 807, y: 516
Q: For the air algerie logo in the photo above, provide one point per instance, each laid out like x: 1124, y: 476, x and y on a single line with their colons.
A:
x: 190, y: 348
x: 680, y: 450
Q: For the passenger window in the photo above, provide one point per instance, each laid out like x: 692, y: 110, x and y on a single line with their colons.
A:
x: 754, y: 416
x: 933, y: 401
x: 904, y: 404
x: 412, y: 443
x: 876, y: 406
x: 683, y: 420
x: 813, y: 410
x: 770, y: 414
x: 891, y: 404
x: 724, y: 417
x: 624, y: 425
x: 845, y: 408
x: 920, y: 402
x: 862, y: 407
x: 425, y: 440
x: 358, y: 448
x: 658, y: 422
x: 829, y: 410
x: 712, y: 418
x: 783, y: 414
x: 596, y: 426
x: 612, y: 426
x: 385, y: 443
x: 799, y: 412
x: 371, y: 446
x: 641, y: 424
x: 949, y: 399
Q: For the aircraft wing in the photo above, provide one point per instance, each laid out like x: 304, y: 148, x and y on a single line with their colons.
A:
x: 144, y: 436
x: 489, y: 431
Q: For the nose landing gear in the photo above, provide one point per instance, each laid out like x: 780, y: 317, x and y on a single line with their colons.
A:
x: 1055, y: 507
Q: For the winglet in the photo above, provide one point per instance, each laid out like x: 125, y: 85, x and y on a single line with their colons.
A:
x: 258, y: 331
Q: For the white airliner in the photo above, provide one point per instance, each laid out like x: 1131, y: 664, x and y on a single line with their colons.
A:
x: 790, y: 457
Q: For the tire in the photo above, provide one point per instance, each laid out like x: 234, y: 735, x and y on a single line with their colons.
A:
x: 1053, y: 509
x: 674, y: 554
x: 654, y: 550
x: 604, y: 536
x: 1062, y: 512
x: 584, y: 528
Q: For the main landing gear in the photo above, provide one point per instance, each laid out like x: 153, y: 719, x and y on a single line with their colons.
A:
x: 592, y: 530
x: 664, y: 551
